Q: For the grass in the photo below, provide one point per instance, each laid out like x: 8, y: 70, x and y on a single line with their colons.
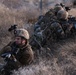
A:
x: 62, y: 62
x: 22, y: 17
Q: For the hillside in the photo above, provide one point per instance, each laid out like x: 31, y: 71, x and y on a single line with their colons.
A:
x: 59, y: 60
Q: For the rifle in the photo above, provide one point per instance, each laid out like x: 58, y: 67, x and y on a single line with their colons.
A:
x: 40, y: 18
x: 8, y: 57
x: 38, y: 41
x: 73, y: 21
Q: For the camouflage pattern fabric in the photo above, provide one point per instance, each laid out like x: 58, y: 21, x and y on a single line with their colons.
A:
x: 24, y: 55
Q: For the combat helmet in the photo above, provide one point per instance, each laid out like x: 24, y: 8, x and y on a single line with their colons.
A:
x: 62, y: 14
x: 23, y: 33
x: 57, y: 8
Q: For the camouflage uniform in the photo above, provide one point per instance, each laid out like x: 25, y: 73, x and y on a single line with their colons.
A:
x: 23, y: 54
x: 48, y: 17
x: 57, y: 31
x: 51, y: 16
x: 64, y: 21
x: 42, y: 28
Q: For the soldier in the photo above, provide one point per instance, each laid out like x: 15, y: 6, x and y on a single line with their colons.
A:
x: 57, y: 8
x: 43, y: 24
x: 56, y: 30
x: 20, y: 49
x: 48, y: 17
x: 62, y: 16
x: 52, y: 17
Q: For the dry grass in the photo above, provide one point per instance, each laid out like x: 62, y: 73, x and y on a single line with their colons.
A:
x: 63, y: 63
x: 20, y: 17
